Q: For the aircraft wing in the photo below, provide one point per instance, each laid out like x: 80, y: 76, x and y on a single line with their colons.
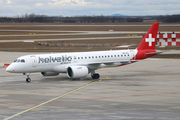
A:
x: 110, y: 62
x: 95, y: 65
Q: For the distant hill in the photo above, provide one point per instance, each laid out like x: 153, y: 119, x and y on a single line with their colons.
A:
x: 119, y: 15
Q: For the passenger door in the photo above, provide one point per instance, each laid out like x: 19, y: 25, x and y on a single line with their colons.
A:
x: 34, y: 61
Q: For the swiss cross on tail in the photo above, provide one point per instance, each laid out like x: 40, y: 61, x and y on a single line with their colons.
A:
x: 149, y: 40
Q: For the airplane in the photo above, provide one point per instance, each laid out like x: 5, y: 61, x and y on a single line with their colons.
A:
x: 80, y: 64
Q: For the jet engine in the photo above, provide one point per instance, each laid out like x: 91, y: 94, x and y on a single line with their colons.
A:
x: 49, y: 73
x: 77, y: 71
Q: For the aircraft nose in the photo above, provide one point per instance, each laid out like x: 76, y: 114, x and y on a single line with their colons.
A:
x: 10, y: 68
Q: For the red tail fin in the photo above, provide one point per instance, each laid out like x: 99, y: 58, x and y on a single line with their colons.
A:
x: 149, y: 40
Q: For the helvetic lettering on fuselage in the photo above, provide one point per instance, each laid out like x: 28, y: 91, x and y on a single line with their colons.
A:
x: 62, y: 60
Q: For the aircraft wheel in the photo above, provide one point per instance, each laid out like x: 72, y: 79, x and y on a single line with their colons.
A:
x: 28, y: 79
x: 95, y: 76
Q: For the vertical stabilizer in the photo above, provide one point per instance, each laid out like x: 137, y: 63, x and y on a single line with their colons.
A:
x: 149, y: 40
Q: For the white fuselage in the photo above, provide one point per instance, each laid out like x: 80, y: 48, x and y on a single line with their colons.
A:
x: 58, y: 62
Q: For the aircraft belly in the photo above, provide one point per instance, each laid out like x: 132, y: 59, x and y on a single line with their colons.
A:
x: 110, y: 64
x: 60, y: 68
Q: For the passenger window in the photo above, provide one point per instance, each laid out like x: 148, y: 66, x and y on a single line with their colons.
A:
x: 99, y: 56
x: 78, y: 57
x: 81, y: 57
x: 114, y: 55
x: 111, y: 55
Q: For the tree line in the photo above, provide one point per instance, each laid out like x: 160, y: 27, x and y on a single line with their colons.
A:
x: 87, y: 19
x: 76, y: 19
x: 169, y: 18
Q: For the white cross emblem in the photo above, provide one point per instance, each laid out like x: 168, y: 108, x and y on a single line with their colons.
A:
x: 150, y: 39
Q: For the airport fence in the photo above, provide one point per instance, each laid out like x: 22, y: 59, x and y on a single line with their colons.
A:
x: 168, y: 39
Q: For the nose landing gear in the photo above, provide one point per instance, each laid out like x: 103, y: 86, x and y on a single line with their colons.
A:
x: 28, y: 79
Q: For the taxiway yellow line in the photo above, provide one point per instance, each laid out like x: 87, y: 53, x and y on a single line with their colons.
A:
x: 54, y: 98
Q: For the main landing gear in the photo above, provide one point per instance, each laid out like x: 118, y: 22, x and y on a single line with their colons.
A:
x: 28, y: 79
x: 94, y: 75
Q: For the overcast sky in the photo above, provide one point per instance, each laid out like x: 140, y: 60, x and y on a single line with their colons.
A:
x: 89, y: 7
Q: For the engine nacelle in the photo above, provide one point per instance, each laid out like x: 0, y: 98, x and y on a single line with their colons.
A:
x: 49, y: 73
x: 77, y: 71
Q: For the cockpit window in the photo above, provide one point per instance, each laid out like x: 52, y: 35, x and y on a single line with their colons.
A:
x: 15, y: 61
x: 19, y: 60
x: 23, y: 60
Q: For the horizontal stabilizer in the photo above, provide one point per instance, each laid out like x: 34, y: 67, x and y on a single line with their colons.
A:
x: 152, y: 53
